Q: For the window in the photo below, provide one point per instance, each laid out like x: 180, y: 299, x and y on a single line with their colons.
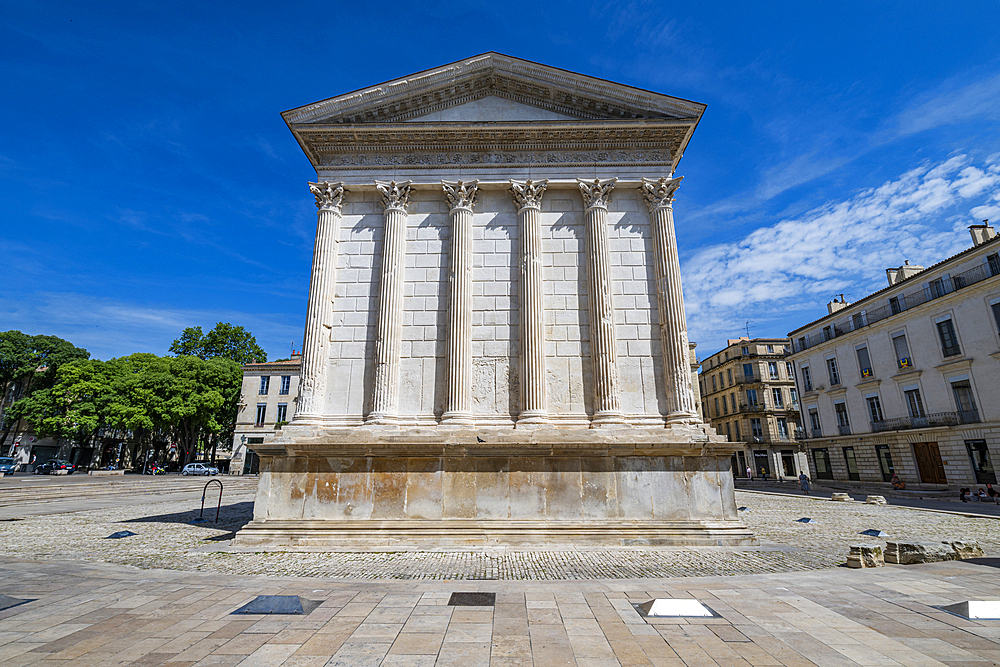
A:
x: 857, y: 320
x: 722, y: 382
x: 936, y: 288
x: 913, y: 403
x: 814, y: 423
x: 894, y: 305
x: 717, y: 407
x: 748, y: 368
x: 996, y: 314
x: 737, y: 428
x: 729, y: 435
x: 902, y: 351
x: 789, y: 370
x: 729, y: 376
x: 980, y: 455
x: 802, y: 343
x: 793, y: 396
x: 779, y: 403
x: 831, y: 366
x: 752, y: 397
x: 725, y: 405
x: 827, y: 333
x: 994, y: 263
x: 282, y: 412
x: 852, y: 464
x: 782, y: 428
x: 821, y: 459
x: 732, y: 400
x: 261, y: 414
x: 286, y: 384
x: 265, y: 382
x: 746, y: 350
x: 884, y: 462
x: 714, y: 385
x: 865, y: 363
x: 772, y: 369
x: 807, y: 383
x: 964, y: 401
x: 770, y: 349
x: 843, y: 424
x: 875, y: 410
x: 949, y: 341
x: 755, y: 429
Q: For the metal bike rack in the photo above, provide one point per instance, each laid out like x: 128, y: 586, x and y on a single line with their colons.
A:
x: 204, y: 492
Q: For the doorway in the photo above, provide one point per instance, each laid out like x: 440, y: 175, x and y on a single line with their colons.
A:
x: 929, y: 463
x: 852, y: 464
x: 788, y: 462
x: 761, y: 463
x: 885, y: 462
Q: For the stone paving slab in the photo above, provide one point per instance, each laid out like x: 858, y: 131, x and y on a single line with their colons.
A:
x: 86, y: 614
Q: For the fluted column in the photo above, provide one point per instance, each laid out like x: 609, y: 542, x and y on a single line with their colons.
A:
x: 389, y: 331
x: 659, y: 196
x: 461, y: 197
x: 534, y: 403
x: 607, y: 394
x: 312, y: 386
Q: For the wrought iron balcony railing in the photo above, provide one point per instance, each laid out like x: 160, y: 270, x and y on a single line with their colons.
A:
x: 931, y: 420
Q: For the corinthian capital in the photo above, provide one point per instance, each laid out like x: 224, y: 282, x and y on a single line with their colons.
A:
x: 394, y: 195
x: 596, y: 193
x: 660, y: 193
x: 329, y: 196
x: 528, y: 193
x: 460, y: 194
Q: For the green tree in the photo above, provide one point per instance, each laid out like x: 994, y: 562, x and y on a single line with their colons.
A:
x: 225, y: 341
x: 15, y: 355
x: 71, y: 407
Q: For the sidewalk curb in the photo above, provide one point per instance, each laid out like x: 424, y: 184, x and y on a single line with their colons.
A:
x: 908, y: 507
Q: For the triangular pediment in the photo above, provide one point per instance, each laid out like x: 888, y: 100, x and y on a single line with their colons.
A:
x: 490, y: 108
x: 494, y: 85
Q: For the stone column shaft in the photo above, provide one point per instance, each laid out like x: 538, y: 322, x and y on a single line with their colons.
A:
x: 461, y: 196
x: 312, y: 389
x: 607, y: 394
x: 659, y: 196
x: 389, y: 330
x: 534, y: 402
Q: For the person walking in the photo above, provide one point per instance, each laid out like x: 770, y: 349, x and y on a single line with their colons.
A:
x: 804, y: 482
x: 749, y: 474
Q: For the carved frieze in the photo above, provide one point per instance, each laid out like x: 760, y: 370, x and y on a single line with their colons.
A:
x: 661, y: 192
x: 497, y: 158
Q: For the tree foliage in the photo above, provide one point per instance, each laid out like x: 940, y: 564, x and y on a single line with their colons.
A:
x: 225, y: 341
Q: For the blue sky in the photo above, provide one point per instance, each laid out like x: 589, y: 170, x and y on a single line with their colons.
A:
x: 147, y: 182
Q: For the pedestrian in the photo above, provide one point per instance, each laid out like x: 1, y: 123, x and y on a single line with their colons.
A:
x: 963, y: 494
x: 763, y: 473
x: 897, y: 483
x: 992, y: 493
x: 749, y: 474
x: 804, y: 482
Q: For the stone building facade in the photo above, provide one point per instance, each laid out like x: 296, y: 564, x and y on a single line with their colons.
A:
x: 905, y: 380
x: 267, y: 402
x: 749, y: 395
x: 495, y: 346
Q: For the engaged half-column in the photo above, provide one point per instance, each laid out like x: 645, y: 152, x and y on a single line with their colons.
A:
x: 659, y: 197
x: 389, y: 331
x: 607, y: 400
x: 461, y: 197
x: 312, y: 390
x: 534, y: 404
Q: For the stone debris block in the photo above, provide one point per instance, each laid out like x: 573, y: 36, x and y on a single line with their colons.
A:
x: 876, y: 500
x: 965, y: 550
x: 841, y: 497
x: 907, y: 553
x: 866, y: 555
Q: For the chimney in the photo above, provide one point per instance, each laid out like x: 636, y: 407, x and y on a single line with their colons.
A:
x: 982, y: 233
x: 903, y: 272
x: 836, y: 304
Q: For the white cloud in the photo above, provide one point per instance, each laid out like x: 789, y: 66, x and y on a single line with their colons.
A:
x: 779, y: 276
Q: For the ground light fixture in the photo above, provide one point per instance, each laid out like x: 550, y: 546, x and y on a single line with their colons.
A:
x: 675, y: 608
x: 975, y: 610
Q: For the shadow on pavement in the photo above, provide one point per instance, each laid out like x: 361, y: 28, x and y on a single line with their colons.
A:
x: 233, y: 516
x: 988, y: 562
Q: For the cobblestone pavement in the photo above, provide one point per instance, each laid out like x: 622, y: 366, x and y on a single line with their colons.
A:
x: 164, y: 539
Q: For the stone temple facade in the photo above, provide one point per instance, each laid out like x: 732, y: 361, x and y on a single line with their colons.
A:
x: 495, y: 347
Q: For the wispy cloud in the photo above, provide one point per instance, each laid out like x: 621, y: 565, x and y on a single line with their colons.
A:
x: 778, y: 276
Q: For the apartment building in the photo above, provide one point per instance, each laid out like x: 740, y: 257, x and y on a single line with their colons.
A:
x: 905, y: 381
x: 267, y: 402
x: 748, y: 394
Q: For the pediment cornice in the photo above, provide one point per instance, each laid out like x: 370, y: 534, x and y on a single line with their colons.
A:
x: 568, y: 93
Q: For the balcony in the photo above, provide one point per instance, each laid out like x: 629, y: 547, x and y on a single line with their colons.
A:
x: 748, y: 379
x: 935, y: 290
x: 843, y: 429
x: 934, y: 419
x: 817, y: 433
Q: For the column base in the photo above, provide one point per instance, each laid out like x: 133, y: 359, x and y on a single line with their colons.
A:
x: 381, y: 419
x: 306, y: 420
x: 457, y: 419
x: 531, y: 418
x: 608, y: 418
x: 683, y: 418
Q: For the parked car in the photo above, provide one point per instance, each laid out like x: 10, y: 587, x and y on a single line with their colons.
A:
x: 8, y: 464
x: 199, y: 469
x: 55, y: 464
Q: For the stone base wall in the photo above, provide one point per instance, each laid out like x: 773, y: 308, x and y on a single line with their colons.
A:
x: 522, y: 489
